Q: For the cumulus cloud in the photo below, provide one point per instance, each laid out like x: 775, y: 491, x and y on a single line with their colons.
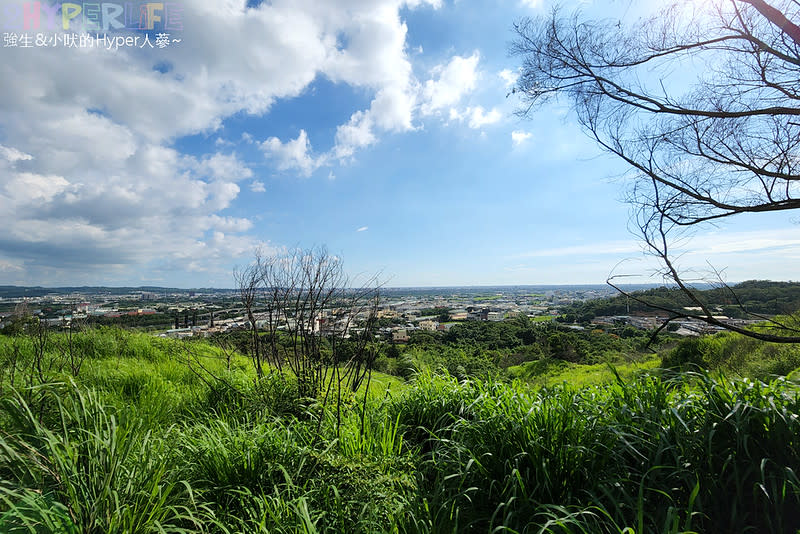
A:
x: 223, y: 167
x: 294, y: 154
x: 94, y: 175
x: 450, y: 83
x: 402, y: 96
x: 357, y: 133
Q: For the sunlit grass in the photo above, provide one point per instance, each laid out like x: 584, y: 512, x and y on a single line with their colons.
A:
x: 552, y: 372
x: 141, y: 442
x: 704, y: 455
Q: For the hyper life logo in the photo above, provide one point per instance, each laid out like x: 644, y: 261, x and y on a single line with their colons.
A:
x: 95, y: 16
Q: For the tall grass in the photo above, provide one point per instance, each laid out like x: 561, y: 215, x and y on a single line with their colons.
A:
x: 86, y: 468
x: 144, y: 444
x: 265, y: 475
x: 708, y: 455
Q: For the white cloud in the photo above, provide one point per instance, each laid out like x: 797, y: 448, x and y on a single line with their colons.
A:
x: 702, y: 245
x: 533, y: 4
x: 229, y: 224
x: 477, y: 117
x: 376, y: 57
x: 292, y: 155
x: 357, y: 133
x: 224, y: 167
x: 363, y: 229
x: 257, y: 187
x: 24, y: 188
x: 509, y: 77
x: 520, y: 136
x: 94, y: 175
x: 450, y: 83
x: 13, y: 155
x: 393, y: 108
x: 436, y: 4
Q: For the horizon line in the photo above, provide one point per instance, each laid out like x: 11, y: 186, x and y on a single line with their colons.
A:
x: 456, y: 286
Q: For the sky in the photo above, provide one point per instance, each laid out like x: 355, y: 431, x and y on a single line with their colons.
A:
x: 381, y: 129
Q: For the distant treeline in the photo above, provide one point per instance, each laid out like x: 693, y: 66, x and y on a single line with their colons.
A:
x: 754, y: 296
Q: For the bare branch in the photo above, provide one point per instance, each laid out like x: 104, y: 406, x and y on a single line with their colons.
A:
x: 722, y: 144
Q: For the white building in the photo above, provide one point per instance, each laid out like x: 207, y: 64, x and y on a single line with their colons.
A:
x: 429, y: 325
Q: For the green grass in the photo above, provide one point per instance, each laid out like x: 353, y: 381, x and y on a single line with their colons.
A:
x: 139, y: 442
x: 550, y: 372
x: 85, y: 467
x: 707, y: 455
x: 736, y: 355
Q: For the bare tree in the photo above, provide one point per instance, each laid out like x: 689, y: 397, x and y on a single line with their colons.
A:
x: 248, y: 281
x: 724, y: 144
x: 307, y: 320
x: 300, y: 285
x: 308, y: 299
x: 71, y: 355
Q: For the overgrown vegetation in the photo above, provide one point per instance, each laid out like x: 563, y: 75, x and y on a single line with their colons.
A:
x: 476, y: 349
x: 155, y: 435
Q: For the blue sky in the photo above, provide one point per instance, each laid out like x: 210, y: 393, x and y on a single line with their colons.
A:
x: 378, y: 128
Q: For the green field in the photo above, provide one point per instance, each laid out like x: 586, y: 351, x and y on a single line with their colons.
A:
x: 486, y: 298
x: 155, y: 435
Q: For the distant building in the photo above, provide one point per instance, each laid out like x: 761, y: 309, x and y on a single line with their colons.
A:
x: 495, y: 316
x: 400, y: 336
x: 430, y: 326
x: 477, y: 314
x: 645, y: 322
x: 178, y: 333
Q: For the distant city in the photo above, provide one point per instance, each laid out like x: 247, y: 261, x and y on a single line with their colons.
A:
x: 181, y: 313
